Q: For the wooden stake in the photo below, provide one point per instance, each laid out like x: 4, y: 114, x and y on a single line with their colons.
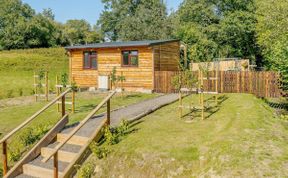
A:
x: 4, y: 156
x: 73, y: 101
x: 108, y: 113
x: 35, y: 87
x: 46, y: 86
x: 180, y: 105
x: 58, y: 93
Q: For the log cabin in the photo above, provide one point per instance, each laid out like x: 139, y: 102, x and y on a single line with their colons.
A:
x: 91, y: 64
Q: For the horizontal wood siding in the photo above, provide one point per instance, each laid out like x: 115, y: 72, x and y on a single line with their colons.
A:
x: 83, y: 77
x: 136, y: 77
x: 167, y: 56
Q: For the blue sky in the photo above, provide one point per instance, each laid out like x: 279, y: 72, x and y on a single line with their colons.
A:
x: 79, y: 9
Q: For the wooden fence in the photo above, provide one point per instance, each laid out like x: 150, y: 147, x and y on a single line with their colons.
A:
x: 262, y: 84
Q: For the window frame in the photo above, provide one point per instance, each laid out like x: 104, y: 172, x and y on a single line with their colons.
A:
x: 90, y: 58
x: 129, y: 58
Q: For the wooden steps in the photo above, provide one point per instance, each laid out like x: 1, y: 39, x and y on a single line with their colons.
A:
x: 64, y: 156
x: 36, y: 171
x: 75, y: 140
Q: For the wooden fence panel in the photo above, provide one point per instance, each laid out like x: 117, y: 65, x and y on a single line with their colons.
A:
x: 261, y: 84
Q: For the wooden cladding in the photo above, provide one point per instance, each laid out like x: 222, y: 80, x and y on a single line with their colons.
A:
x: 262, y: 84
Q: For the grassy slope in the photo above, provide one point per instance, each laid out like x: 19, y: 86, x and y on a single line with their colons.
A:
x: 242, y: 139
x: 17, y: 67
x: 85, y: 102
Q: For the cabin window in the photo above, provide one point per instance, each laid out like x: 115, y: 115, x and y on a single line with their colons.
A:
x: 130, y: 58
x: 90, y: 60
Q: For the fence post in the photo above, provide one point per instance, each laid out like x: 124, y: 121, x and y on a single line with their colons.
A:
x: 4, y: 156
x: 222, y: 81
x: 108, y: 112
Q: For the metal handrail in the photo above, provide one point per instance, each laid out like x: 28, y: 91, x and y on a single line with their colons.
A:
x: 34, y: 116
x: 55, y: 151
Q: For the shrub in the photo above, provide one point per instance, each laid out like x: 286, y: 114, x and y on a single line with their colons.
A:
x: 30, y: 135
x: 99, y: 151
x: 111, y: 136
x: 122, y: 128
x: 86, y: 170
x: 14, y: 154
x: 20, y: 91
x: 9, y: 94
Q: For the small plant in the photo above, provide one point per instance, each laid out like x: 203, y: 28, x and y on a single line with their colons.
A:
x: 30, y: 135
x: 111, y: 136
x: 86, y: 170
x: 14, y: 154
x: 74, y: 87
x: 9, y: 94
x: 122, y: 128
x: 99, y: 151
x: 64, y: 79
x: 20, y: 91
x: 113, y: 77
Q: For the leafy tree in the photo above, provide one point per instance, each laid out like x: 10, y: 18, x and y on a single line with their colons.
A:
x: 13, y: 18
x: 217, y: 28
x: 80, y: 32
x: 134, y: 20
x: 272, y: 29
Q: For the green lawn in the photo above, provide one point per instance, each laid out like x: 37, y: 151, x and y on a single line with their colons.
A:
x: 240, y: 138
x: 12, y: 116
x: 17, y: 68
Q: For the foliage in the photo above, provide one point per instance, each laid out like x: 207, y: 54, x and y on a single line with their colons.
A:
x: 86, y: 170
x: 272, y: 30
x: 100, y: 151
x: 217, y: 28
x: 111, y: 137
x: 80, y: 32
x: 64, y: 79
x: 30, y: 135
x: 134, y: 20
x: 14, y: 154
x: 115, y: 78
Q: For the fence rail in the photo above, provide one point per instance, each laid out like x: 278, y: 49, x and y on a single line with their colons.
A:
x: 262, y: 84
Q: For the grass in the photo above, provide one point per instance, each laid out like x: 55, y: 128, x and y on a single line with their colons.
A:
x: 12, y: 116
x: 240, y: 138
x: 17, y: 67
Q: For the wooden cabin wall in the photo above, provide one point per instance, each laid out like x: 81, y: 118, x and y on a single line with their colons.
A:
x: 82, y: 77
x: 167, y: 56
x: 136, y: 77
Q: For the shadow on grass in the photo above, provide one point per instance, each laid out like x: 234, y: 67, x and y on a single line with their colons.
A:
x: 211, y: 110
x: 133, y: 96
x: 277, y: 105
x: 85, y: 108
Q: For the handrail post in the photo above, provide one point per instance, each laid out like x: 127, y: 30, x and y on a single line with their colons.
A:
x: 5, y: 162
x: 63, y: 105
x: 108, y: 112
x: 55, y: 165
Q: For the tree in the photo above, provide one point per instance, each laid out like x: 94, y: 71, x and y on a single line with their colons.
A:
x: 13, y: 18
x: 217, y: 28
x: 272, y: 29
x: 134, y: 20
x: 80, y: 32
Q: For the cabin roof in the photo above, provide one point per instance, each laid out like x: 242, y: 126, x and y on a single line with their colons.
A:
x: 120, y: 44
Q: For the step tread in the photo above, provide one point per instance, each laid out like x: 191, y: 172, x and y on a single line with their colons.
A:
x: 49, y: 164
x: 67, y: 147
x: 64, y: 156
x: 24, y: 176
x: 75, y: 139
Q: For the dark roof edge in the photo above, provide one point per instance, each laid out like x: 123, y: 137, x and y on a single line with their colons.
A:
x: 128, y: 45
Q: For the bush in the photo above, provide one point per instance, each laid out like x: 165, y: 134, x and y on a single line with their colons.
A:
x: 14, y: 154
x: 86, y: 170
x: 20, y: 91
x: 30, y: 135
x: 99, y: 151
x: 111, y: 136
x: 9, y: 94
